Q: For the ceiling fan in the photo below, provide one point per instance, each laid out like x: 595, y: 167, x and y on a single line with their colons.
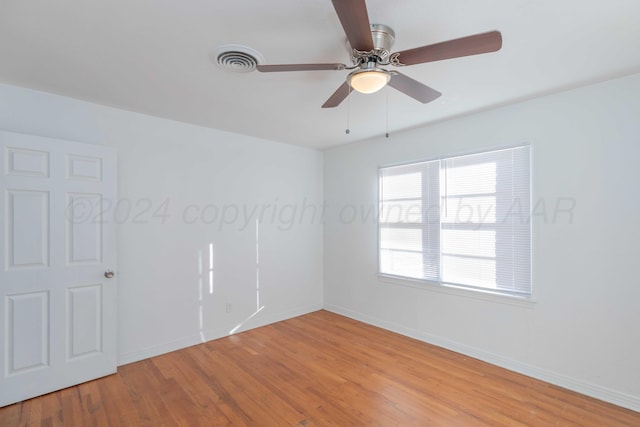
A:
x: 370, y: 46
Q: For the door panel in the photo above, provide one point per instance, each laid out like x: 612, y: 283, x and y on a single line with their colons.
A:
x: 84, y: 168
x: 27, y: 331
x: 84, y: 311
x: 84, y: 232
x: 27, y: 225
x: 58, y: 311
x: 27, y: 162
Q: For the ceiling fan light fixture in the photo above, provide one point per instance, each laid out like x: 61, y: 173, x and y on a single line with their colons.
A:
x: 369, y: 80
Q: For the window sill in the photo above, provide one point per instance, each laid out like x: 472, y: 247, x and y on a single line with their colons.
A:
x: 485, y: 295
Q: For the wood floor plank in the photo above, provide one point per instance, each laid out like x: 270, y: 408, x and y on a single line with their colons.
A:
x: 320, y: 369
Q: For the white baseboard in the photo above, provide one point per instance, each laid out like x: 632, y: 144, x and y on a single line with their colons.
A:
x: 608, y: 395
x: 263, y: 319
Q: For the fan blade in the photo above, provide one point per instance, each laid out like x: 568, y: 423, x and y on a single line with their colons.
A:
x: 338, y: 96
x: 355, y: 22
x: 465, y: 46
x: 299, y: 67
x: 413, y: 88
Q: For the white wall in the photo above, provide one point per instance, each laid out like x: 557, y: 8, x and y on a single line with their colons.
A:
x: 582, y: 332
x: 188, y: 172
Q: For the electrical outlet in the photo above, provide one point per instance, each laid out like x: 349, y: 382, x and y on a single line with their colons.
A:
x: 229, y: 307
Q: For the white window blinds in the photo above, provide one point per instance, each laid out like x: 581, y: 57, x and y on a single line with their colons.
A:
x: 460, y: 220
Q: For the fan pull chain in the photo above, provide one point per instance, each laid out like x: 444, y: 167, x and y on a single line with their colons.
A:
x: 348, y: 109
x: 386, y: 134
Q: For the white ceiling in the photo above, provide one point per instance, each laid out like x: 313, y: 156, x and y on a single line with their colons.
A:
x: 152, y: 56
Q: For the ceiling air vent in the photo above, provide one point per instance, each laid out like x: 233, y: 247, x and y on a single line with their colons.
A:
x: 236, y: 58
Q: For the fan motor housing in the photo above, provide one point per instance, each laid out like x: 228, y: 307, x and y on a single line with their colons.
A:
x: 383, y: 38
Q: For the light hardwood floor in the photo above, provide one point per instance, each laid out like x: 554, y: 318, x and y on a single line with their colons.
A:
x: 317, y: 369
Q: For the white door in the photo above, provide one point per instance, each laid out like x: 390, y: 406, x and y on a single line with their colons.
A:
x: 57, y: 307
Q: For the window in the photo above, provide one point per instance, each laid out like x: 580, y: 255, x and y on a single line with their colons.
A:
x: 459, y: 220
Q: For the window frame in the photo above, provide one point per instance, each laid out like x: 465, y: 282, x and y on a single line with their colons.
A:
x: 476, y: 292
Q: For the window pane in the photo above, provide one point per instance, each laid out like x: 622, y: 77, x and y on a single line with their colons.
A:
x: 406, y: 239
x: 472, y: 243
x: 401, y: 264
x: 474, y: 209
x: 467, y: 179
x: 403, y: 186
x: 409, y: 221
x: 469, y: 271
x: 402, y: 211
x: 482, y: 195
